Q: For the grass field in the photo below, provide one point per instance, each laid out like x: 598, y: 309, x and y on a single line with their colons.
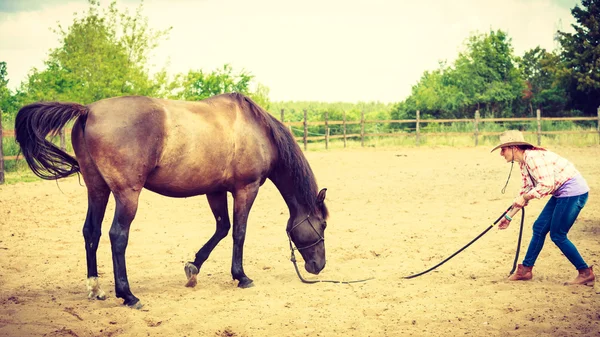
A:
x: 17, y: 171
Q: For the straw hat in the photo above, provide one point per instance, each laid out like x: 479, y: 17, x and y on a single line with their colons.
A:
x: 511, y: 138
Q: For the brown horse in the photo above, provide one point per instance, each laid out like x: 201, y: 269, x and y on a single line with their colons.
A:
x: 222, y: 144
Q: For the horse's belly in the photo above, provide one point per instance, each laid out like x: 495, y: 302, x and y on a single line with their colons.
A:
x: 191, y: 181
x: 186, y: 185
x: 181, y: 191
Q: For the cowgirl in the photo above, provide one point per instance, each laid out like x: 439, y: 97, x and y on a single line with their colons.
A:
x: 546, y: 173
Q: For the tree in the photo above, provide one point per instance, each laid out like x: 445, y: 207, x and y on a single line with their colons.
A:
x: 101, y: 55
x: 581, y: 54
x: 486, y: 73
x: 437, y: 94
x: 484, y: 76
x: 4, y: 91
x: 260, y: 95
x: 197, y: 85
x: 545, y: 89
x: 9, y: 101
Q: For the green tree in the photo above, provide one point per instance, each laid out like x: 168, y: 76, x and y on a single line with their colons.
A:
x: 546, y: 89
x: 486, y: 73
x: 197, y: 85
x: 438, y: 96
x: 484, y: 76
x: 581, y: 54
x: 5, y: 95
x: 261, y: 96
x: 9, y: 101
x: 102, y: 54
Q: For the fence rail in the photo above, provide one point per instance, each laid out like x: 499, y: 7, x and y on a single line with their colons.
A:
x: 362, y: 135
x: 419, y: 122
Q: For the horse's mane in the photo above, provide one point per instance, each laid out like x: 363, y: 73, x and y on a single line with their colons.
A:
x: 291, y: 158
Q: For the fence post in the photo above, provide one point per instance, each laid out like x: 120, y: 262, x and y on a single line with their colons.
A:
x: 282, y: 119
x: 1, y: 153
x: 417, y: 130
x: 344, y: 126
x: 362, y: 128
x: 326, y: 130
x: 476, y: 127
x: 539, y: 129
x: 305, y: 131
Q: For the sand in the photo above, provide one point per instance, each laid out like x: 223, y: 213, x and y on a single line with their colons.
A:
x: 394, y: 212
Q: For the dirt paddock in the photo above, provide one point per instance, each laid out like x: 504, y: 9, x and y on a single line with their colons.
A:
x: 394, y: 212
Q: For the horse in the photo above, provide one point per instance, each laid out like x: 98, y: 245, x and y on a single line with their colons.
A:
x: 225, y: 143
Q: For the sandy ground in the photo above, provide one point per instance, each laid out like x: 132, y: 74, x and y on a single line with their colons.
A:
x: 394, y: 212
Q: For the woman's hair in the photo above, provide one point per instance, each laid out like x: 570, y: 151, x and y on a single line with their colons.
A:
x: 530, y: 147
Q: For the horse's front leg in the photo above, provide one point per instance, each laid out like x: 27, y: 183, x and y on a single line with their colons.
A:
x: 218, y: 205
x: 243, y: 200
x: 126, y: 207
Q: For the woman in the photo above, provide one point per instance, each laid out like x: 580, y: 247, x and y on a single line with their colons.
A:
x: 546, y: 173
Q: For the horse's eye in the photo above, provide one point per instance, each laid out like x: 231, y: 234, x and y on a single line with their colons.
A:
x: 324, y: 224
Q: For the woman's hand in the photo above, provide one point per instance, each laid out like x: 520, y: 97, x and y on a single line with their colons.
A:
x: 503, y: 224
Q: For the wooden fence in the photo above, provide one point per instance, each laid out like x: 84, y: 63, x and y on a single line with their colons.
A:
x: 362, y: 135
x: 418, y: 122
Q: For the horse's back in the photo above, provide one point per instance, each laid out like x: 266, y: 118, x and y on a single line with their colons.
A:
x: 178, y: 148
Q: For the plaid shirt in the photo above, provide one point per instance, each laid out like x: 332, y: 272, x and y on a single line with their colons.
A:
x: 543, y: 172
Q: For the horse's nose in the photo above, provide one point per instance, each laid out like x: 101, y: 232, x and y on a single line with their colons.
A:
x: 321, y: 267
x: 314, y: 267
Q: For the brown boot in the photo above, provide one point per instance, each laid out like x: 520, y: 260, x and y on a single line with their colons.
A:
x: 523, y: 274
x: 586, y: 276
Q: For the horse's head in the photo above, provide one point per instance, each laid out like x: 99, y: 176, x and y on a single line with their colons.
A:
x: 307, y: 231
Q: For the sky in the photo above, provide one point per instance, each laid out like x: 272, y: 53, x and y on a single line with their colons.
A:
x: 303, y: 50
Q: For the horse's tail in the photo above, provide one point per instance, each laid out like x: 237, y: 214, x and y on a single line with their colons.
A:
x: 36, y: 121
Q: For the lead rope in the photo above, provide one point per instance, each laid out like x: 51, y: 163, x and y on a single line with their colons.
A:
x: 472, y: 241
x: 512, y: 163
x: 293, y: 256
x: 293, y: 259
x: 518, y: 242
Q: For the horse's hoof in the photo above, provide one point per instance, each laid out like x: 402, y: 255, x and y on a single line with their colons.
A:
x: 137, y: 305
x: 246, y: 284
x: 190, y: 270
x: 191, y: 282
x: 94, y: 291
x: 97, y: 296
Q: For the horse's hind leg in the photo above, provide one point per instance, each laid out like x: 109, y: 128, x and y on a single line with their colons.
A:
x: 126, y: 200
x: 98, y: 194
x: 218, y: 205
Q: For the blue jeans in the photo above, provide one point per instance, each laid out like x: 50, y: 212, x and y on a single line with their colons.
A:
x: 557, y: 217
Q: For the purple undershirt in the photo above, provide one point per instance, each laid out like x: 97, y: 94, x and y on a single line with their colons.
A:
x: 572, y: 187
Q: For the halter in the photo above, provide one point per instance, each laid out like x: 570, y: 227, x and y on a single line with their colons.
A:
x: 293, y: 256
x: 321, y: 238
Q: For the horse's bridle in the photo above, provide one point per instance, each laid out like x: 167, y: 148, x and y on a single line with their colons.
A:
x: 293, y: 256
x: 289, y: 232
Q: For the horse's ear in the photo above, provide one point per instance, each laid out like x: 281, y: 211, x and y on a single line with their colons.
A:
x: 321, y: 196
